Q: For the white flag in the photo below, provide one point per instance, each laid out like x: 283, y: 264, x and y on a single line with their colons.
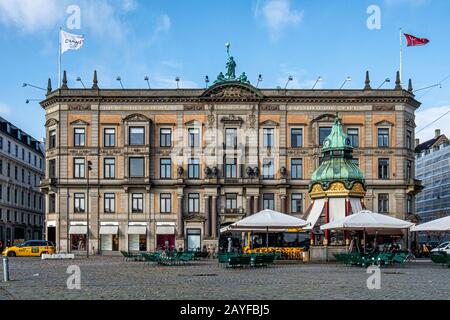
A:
x: 70, y: 41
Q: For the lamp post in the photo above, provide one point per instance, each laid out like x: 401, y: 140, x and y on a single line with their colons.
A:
x: 317, y: 81
x: 348, y: 79
x: 206, y: 82
x: 177, y: 79
x: 260, y: 79
x: 33, y: 86
x: 89, y: 168
x: 385, y: 81
x: 79, y: 80
x: 147, y: 80
x: 29, y: 100
x: 120, y: 81
x: 290, y: 78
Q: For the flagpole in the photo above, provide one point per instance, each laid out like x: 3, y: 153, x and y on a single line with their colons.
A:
x: 401, y: 55
x: 59, y: 63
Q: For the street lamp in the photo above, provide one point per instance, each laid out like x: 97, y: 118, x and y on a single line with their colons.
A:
x: 32, y: 85
x: 147, y: 80
x: 120, y: 80
x: 290, y: 78
x: 79, y: 80
x: 385, y: 81
x: 177, y: 79
x: 348, y: 79
x: 29, y: 100
x: 319, y: 79
x: 89, y: 168
x: 260, y: 79
x: 206, y: 82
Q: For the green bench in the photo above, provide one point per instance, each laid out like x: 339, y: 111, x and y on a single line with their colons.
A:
x: 130, y: 256
x: 442, y: 259
x: 263, y: 260
x: 239, y: 262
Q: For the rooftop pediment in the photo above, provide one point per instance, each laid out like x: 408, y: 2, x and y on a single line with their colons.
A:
x: 232, y: 90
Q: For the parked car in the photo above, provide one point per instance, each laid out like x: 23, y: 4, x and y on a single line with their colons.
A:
x: 31, y: 248
x: 443, y: 247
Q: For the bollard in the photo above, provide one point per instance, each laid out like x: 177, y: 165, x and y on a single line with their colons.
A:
x: 5, y: 269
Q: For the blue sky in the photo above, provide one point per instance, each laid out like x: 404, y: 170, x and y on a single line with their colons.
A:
x: 276, y: 38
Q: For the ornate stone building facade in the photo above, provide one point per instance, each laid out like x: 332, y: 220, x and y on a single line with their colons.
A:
x: 170, y: 167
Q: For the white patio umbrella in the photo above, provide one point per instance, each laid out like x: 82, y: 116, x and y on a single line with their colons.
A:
x: 367, y: 220
x: 442, y: 224
x: 266, y: 221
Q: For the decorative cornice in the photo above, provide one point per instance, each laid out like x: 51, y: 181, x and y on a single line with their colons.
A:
x: 51, y: 122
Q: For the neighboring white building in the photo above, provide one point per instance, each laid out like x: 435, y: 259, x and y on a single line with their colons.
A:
x: 21, y: 170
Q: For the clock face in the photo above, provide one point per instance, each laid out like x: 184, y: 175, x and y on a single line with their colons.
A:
x: 326, y: 143
x: 347, y: 141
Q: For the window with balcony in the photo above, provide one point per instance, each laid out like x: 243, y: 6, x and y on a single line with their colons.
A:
x: 193, y: 168
x: 353, y: 135
x: 324, y: 132
x: 79, y: 137
x: 165, y: 137
x: 296, y: 137
x: 165, y: 168
x: 193, y: 203
x: 137, y: 136
x: 383, y: 168
x: 79, y: 168
x: 109, y: 203
x: 383, y: 137
x: 269, y: 201
x: 109, y: 137
x: 136, y: 169
x: 230, y: 168
x: 165, y: 202
x: 194, y: 137
x: 383, y: 203
x: 137, y: 202
x: 268, y: 168
x: 268, y: 138
x: 296, y: 169
x: 79, y: 202
x: 231, y: 138
x: 296, y: 202
x: 109, y: 168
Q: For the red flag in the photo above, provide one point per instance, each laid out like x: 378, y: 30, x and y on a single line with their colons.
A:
x: 414, y: 41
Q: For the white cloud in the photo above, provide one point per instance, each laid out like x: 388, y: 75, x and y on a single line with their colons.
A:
x: 129, y: 5
x: 428, y: 115
x: 4, y: 109
x: 277, y: 15
x: 163, y: 24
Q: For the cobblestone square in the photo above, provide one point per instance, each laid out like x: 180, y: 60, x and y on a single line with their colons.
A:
x: 112, y: 278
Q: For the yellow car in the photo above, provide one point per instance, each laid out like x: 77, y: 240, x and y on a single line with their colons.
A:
x: 31, y: 248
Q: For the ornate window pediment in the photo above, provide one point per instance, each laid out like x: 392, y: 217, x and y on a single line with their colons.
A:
x: 269, y: 123
x: 232, y: 90
x: 51, y: 122
x: 79, y: 122
x: 232, y: 119
x: 136, y: 117
x: 384, y: 123
x: 328, y: 117
x: 193, y: 123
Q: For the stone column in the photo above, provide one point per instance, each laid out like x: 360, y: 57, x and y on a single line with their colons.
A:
x: 214, y: 217
x: 208, y: 218
x: 249, y: 206
x: 180, y: 225
x: 283, y: 203
x: 255, y: 204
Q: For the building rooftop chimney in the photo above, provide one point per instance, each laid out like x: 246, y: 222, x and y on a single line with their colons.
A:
x: 437, y: 133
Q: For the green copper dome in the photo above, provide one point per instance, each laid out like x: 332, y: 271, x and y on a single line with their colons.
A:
x: 337, y: 162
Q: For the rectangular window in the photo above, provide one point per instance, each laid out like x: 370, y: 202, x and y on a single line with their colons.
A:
x: 79, y: 168
x: 165, y: 166
x: 383, y: 203
x: 165, y: 202
x: 353, y: 135
x: 269, y: 201
x: 8, y: 170
x: 52, y: 140
x: 1, y: 166
x: 296, y: 168
x: 193, y: 168
x: 51, y: 203
x: 17, y: 151
x: 268, y: 138
x: 408, y: 169
x: 79, y: 202
x: 231, y: 168
x: 137, y: 136
x: 109, y: 168
x: 165, y: 137
x: 137, y: 200
x: 268, y: 169
x: 296, y: 203
x: 193, y: 203
x: 52, y: 168
x: 1, y: 143
x: 136, y: 167
x: 9, y: 146
x: 383, y: 137
x: 409, y: 202
x: 23, y: 154
x: 324, y: 132
x: 16, y: 173
x: 296, y: 137
x: 79, y: 137
x: 231, y: 138
x: 110, y: 203
x: 408, y: 139
x: 109, y: 137
x: 231, y: 201
x: 194, y: 137
x: 383, y: 168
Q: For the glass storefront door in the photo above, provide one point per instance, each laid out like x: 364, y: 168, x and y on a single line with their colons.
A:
x: 193, y: 239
